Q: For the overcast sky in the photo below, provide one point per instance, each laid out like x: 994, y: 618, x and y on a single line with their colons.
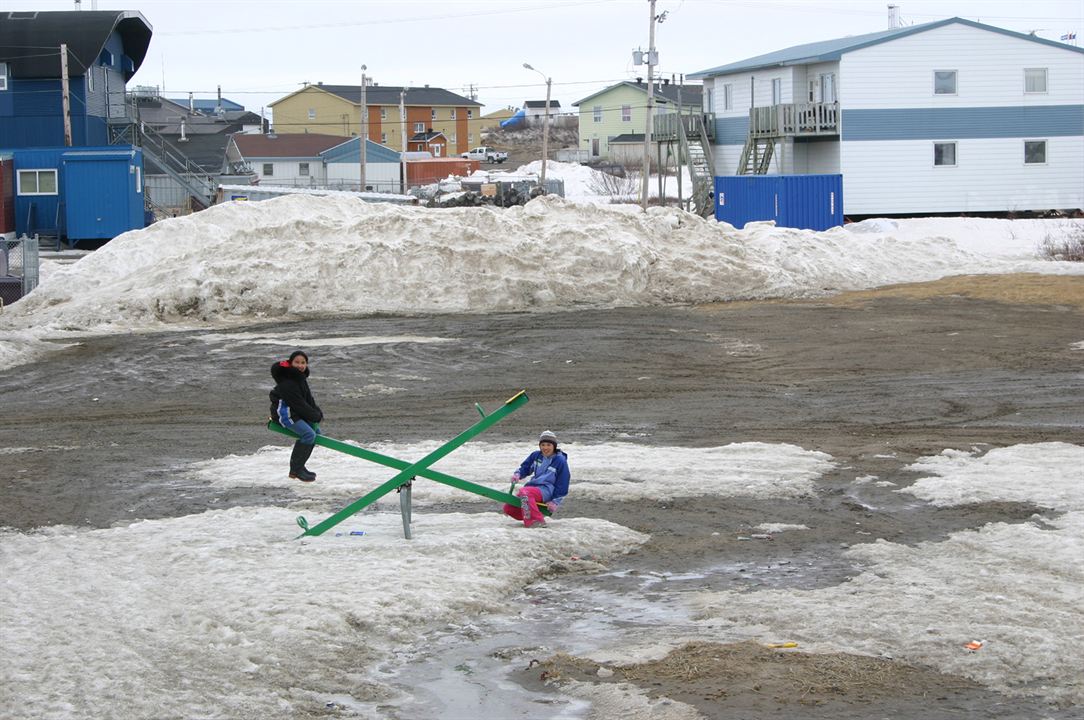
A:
x: 260, y: 51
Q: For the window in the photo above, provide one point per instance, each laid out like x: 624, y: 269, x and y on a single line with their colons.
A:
x: 470, y: 138
x: 383, y: 113
x: 1034, y: 80
x: 1035, y: 152
x: 728, y: 96
x: 268, y: 169
x: 3, y: 76
x: 37, y: 182
x: 777, y: 91
x: 303, y: 169
x: 138, y: 178
x: 944, y: 154
x: 626, y: 113
x: 453, y: 113
x: 312, y: 113
x: 383, y: 138
x: 454, y: 140
x: 419, y: 127
x: 433, y: 114
x: 470, y: 114
x: 596, y: 113
x: 90, y: 78
x: 944, y: 82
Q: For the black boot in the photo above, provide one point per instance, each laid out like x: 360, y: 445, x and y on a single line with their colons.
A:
x: 298, y: 458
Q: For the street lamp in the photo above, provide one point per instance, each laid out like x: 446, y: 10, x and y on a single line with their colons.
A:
x: 545, y: 125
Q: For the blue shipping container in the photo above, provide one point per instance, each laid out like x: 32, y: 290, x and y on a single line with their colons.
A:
x: 103, y: 192
x: 812, y: 202
x: 79, y: 193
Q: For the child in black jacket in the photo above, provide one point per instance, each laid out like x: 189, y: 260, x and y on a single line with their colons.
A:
x: 293, y: 407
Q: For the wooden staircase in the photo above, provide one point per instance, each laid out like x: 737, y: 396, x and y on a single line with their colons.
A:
x: 696, y: 150
x: 756, y: 156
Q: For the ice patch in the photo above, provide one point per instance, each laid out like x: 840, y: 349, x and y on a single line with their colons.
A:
x: 310, y: 342
x: 779, y: 527
x: 1019, y: 587
x: 614, y: 471
x: 1048, y: 474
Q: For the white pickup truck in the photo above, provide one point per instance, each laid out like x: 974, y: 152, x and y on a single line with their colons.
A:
x: 485, y: 154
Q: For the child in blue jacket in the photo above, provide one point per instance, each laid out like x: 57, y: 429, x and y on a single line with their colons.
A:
x: 548, y: 469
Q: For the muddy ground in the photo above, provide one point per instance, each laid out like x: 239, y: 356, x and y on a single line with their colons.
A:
x: 876, y: 379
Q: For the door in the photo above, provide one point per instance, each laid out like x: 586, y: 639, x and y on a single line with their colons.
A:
x: 96, y: 198
x: 594, y: 147
x: 828, y: 87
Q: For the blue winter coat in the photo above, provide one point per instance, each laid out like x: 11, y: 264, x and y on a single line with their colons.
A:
x: 550, y: 475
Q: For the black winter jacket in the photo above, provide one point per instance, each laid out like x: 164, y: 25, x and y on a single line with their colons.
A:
x: 292, y: 387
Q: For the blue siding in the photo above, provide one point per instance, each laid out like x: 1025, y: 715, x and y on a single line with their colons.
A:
x: 813, y: 202
x: 101, y: 193
x: 968, y: 122
x: 38, y: 213
x: 97, y: 195
x: 347, y: 152
x: 731, y: 130
x: 32, y: 115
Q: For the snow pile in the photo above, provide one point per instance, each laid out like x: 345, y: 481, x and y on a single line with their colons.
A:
x: 298, y: 255
x: 615, y: 471
x: 224, y: 614
x: 1019, y: 588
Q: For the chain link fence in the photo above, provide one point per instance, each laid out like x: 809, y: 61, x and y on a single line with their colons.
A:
x: 18, y: 268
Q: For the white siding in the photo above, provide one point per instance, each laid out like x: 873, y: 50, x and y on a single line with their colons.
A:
x: 883, y: 177
x: 990, y: 176
x: 990, y: 71
x: 381, y: 177
x: 286, y: 172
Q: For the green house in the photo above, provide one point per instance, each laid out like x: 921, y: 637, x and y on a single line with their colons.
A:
x: 612, y: 121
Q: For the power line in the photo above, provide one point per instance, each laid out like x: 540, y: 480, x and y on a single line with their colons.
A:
x: 389, y: 21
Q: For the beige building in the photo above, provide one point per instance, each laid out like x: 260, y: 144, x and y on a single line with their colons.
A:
x: 336, y: 110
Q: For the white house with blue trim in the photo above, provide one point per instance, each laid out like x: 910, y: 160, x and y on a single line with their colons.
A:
x: 382, y: 166
x: 945, y: 117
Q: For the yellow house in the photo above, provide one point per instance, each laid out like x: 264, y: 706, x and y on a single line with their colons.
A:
x: 618, y: 114
x: 336, y: 110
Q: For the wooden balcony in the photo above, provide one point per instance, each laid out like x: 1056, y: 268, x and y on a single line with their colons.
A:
x: 665, y: 127
x: 794, y: 120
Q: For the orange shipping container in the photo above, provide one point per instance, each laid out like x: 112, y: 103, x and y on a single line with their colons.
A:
x: 432, y: 170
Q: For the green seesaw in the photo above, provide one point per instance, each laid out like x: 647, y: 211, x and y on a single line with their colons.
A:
x: 403, y: 480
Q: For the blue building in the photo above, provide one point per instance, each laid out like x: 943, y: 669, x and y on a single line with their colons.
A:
x: 104, y: 51
x: 90, y: 189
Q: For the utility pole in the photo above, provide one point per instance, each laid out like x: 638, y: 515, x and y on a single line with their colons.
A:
x: 402, y: 133
x: 651, y: 60
x: 363, y: 136
x: 65, y: 100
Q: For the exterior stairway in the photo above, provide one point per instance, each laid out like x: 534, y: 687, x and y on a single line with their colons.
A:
x: 193, y: 178
x: 756, y: 156
x: 696, y: 149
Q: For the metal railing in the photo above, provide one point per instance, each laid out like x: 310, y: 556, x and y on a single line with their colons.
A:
x: 794, y: 119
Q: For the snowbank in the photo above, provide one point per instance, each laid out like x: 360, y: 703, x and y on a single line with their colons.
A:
x: 241, y: 263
